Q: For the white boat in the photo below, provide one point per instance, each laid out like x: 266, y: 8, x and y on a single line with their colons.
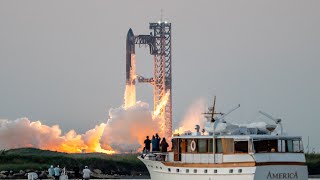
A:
x: 230, y: 152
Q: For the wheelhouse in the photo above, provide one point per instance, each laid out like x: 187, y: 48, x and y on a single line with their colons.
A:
x: 228, y: 145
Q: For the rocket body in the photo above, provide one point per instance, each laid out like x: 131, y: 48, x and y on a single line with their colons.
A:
x: 130, y: 58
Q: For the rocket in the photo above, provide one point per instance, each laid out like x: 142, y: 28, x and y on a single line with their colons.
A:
x: 130, y: 58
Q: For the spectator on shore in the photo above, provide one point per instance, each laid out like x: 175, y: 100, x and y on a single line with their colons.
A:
x: 147, y: 143
x: 76, y: 172
x: 57, y: 172
x: 32, y: 176
x: 86, y: 173
x: 51, y: 171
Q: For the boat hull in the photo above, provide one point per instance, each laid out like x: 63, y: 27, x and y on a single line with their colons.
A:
x: 159, y: 171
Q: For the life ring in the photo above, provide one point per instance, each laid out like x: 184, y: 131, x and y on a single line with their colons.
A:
x: 193, y: 145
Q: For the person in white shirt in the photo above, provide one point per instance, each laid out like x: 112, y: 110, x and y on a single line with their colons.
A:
x: 86, y: 173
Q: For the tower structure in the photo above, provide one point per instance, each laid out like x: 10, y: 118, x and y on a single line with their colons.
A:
x: 159, y: 42
x: 162, y: 71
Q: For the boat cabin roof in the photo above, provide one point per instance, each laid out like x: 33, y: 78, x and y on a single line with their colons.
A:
x: 237, y: 137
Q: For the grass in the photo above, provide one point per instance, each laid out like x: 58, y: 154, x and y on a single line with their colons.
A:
x: 31, y: 158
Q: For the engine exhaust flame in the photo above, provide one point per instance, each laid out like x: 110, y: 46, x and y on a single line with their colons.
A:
x: 162, y: 104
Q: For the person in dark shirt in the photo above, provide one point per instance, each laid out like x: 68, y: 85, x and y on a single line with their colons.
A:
x: 158, y: 139
x: 164, y: 145
x: 147, y: 143
x: 154, y: 144
x: 76, y: 172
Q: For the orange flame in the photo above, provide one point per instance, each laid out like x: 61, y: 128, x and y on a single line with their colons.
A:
x: 162, y: 104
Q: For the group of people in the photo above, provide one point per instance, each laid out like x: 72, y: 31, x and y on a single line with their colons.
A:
x: 56, y: 172
x: 156, y: 144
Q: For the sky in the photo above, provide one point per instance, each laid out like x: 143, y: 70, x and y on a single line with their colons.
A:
x: 63, y: 62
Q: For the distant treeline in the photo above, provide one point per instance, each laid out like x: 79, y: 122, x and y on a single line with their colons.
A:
x: 36, y: 159
x: 313, y: 162
x: 122, y: 164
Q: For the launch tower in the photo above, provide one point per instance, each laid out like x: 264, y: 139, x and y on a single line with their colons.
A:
x: 159, y: 42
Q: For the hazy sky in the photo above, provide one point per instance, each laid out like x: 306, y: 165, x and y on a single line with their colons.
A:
x: 63, y: 62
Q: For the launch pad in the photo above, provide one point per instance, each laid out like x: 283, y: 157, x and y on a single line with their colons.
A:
x: 159, y: 42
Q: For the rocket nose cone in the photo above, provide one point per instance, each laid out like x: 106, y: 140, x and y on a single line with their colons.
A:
x: 130, y: 33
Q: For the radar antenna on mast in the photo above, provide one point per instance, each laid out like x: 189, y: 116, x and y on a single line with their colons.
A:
x: 212, y: 111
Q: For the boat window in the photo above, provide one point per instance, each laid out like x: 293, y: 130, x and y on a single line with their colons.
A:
x: 218, y: 146
x: 241, y: 146
x: 169, y: 169
x: 202, y: 145
x: 195, y: 171
x: 294, y: 146
x: 183, y: 145
x: 230, y: 170
x: 205, y: 171
x: 227, y: 145
x: 187, y: 170
x: 210, y: 145
x: 262, y: 146
x: 189, y: 145
x: 239, y: 170
x: 215, y: 171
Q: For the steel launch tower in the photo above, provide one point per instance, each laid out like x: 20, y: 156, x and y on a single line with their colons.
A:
x: 159, y: 42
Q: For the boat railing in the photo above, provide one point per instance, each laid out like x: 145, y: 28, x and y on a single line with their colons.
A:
x: 155, y: 156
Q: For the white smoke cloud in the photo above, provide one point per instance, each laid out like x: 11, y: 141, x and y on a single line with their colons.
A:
x: 194, y: 116
x: 124, y: 131
x: 128, y: 127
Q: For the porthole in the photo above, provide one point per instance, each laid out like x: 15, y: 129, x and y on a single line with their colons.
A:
x: 187, y: 170
x: 230, y: 170
x: 215, y: 171
x: 239, y: 170
x: 195, y: 171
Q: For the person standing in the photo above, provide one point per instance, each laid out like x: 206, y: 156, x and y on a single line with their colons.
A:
x: 51, y: 171
x: 164, y: 145
x: 147, y: 143
x: 158, y: 139
x: 154, y: 144
x: 57, y: 172
x: 76, y: 172
x: 86, y: 173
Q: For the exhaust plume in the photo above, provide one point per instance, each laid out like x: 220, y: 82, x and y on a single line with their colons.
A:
x: 193, y: 117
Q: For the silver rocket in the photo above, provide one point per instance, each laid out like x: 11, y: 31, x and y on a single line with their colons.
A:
x: 130, y: 62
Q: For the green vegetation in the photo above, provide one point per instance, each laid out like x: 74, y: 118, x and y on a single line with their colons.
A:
x: 313, y: 162
x: 35, y: 159
x: 123, y: 164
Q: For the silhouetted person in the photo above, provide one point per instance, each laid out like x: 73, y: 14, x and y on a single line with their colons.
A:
x: 158, y: 139
x: 147, y: 143
x: 76, y: 172
x: 154, y: 144
x: 164, y: 145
